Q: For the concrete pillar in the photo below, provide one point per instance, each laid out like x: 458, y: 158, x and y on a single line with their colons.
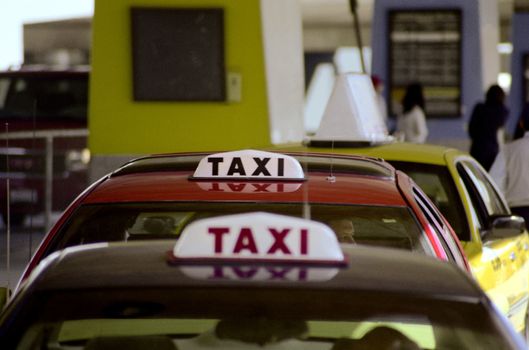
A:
x: 263, y: 57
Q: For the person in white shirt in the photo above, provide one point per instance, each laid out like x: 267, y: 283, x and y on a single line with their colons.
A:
x: 381, y: 101
x: 411, y: 124
x: 510, y: 171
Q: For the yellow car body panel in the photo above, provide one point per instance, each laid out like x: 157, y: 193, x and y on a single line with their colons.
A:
x: 501, y: 267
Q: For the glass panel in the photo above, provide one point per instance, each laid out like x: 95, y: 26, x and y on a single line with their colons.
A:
x: 4, y: 87
x: 370, y: 225
x: 492, y: 201
x: 60, y: 97
x: 437, y: 183
x: 248, y: 318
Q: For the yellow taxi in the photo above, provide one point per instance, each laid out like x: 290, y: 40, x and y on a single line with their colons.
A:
x: 495, y: 241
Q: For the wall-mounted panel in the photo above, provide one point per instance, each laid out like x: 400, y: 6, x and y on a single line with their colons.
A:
x: 178, y: 54
x: 425, y: 47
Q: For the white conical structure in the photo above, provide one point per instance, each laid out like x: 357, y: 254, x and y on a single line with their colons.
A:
x: 352, y: 113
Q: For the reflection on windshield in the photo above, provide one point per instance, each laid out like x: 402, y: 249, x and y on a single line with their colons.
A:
x: 370, y: 225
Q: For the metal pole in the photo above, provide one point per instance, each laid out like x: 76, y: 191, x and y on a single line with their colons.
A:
x: 33, y: 193
x: 8, y: 214
x: 353, y: 6
x: 48, y: 184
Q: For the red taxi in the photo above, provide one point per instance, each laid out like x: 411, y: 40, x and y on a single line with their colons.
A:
x: 365, y: 200
x: 251, y: 281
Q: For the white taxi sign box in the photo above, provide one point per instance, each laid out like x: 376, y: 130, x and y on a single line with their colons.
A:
x: 257, y: 237
x: 352, y: 113
x: 251, y: 187
x: 250, y: 165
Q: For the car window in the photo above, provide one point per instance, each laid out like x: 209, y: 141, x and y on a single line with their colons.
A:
x: 4, y: 87
x: 438, y: 224
x: 482, y: 191
x: 437, y: 183
x: 45, y: 97
x: 394, y: 227
x: 266, y: 318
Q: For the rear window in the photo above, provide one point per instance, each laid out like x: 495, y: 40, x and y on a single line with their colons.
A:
x: 247, y: 318
x: 370, y: 225
x: 57, y: 97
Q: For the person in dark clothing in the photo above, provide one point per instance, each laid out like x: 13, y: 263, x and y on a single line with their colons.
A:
x: 486, y: 120
x: 523, y: 123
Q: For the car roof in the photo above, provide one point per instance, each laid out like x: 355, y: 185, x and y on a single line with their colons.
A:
x: 360, y: 180
x: 148, y: 264
x: 394, y: 151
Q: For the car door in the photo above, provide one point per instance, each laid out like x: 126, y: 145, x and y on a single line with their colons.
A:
x: 501, y: 263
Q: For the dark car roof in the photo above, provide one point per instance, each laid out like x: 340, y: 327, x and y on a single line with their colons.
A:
x: 148, y: 264
x: 167, y: 178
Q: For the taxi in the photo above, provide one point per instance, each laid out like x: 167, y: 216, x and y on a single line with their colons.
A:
x: 251, y: 281
x: 365, y: 200
x: 495, y: 242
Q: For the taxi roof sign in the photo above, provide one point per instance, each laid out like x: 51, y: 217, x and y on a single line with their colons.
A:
x: 352, y: 113
x: 258, y: 236
x: 249, y: 165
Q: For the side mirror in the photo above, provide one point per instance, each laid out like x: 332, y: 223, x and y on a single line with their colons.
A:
x: 505, y: 227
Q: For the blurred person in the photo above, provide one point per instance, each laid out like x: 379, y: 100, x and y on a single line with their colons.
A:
x: 411, y: 123
x: 344, y: 229
x: 387, y: 338
x: 486, y: 126
x: 519, y: 131
x: 510, y: 172
x: 381, y: 101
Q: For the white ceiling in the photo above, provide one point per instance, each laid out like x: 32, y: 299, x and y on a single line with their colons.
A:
x: 337, y: 11
x: 334, y: 11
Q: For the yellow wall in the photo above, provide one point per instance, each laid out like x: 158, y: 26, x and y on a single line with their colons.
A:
x: 118, y: 125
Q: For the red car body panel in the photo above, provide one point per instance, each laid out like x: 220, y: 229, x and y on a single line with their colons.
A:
x: 152, y: 187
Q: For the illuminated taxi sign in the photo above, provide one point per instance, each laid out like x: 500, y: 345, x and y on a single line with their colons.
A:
x: 249, y: 164
x: 258, y: 237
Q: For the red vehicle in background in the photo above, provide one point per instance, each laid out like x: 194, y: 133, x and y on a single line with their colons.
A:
x: 43, y: 120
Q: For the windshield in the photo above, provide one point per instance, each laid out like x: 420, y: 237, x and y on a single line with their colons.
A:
x: 44, y: 97
x: 247, y: 318
x: 370, y: 225
x: 436, y: 182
